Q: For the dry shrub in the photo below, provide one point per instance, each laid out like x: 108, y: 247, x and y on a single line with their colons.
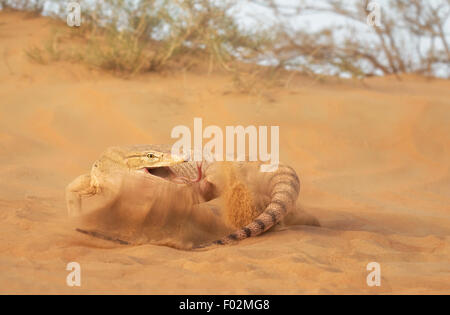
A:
x: 129, y: 37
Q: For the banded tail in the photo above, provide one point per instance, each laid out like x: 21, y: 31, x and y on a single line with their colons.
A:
x: 284, y: 190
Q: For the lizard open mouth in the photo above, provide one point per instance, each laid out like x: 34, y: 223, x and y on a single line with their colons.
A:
x: 167, y: 174
x: 163, y: 172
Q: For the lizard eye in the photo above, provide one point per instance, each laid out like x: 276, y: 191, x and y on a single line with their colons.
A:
x: 151, y: 156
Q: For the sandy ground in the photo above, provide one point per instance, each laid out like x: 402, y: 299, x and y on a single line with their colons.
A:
x: 373, y: 160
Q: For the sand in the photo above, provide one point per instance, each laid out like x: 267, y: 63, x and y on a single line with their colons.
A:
x: 373, y: 159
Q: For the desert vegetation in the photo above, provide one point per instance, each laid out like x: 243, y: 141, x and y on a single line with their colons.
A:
x: 130, y: 37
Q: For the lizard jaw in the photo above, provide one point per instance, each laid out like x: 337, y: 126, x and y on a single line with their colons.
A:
x: 167, y: 174
x: 162, y: 172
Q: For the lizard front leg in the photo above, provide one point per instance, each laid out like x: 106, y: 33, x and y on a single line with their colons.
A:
x: 78, y: 188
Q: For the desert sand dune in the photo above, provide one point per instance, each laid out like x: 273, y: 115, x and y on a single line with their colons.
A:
x: 373, y: 160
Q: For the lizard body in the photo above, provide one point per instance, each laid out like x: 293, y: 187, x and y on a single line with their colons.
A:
x: 280, y: 188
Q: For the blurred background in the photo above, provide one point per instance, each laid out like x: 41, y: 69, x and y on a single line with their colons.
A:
x: 323, y: 37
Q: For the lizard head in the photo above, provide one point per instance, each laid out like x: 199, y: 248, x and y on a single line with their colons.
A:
x: 151, y: 159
